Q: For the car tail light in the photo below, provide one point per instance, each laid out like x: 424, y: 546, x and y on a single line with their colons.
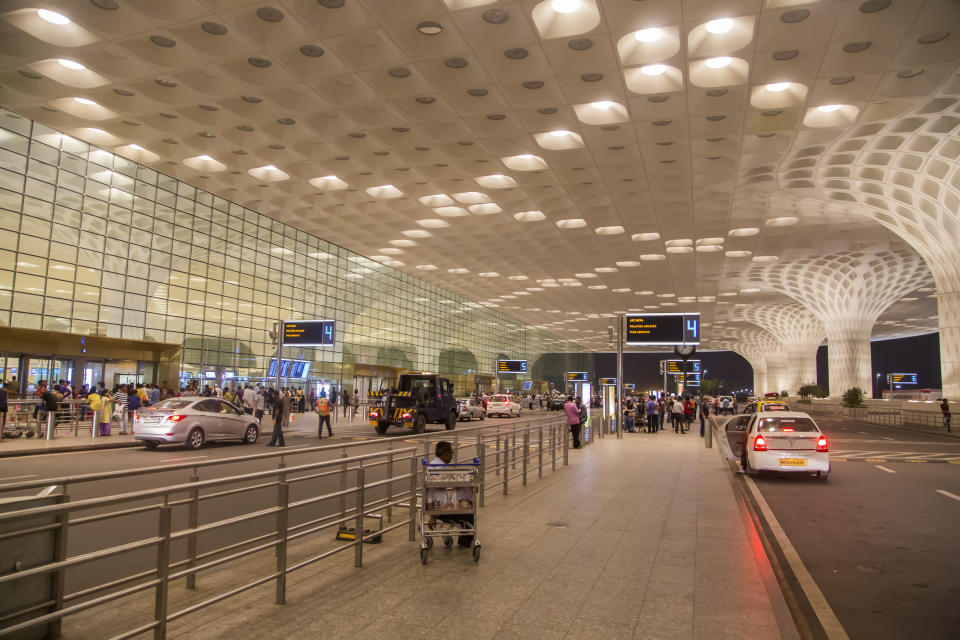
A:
x: 759, y: 443
x: 374, y: 414
x: 822, y: 444
x: 176, y: 418
x: 136, y: 417
x: 787, y: 429
x: 406, y: 416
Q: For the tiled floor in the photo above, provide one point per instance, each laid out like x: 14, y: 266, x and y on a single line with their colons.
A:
x: 637, y: 538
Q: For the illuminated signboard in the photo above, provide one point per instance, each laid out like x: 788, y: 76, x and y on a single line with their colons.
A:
x: 692, y: 380
x: 309, y: 333
x: 663, y: 329
x: 512, y: 366
x: 289, y: 369
x: 902, y: 378
x: 608, y: 382
x: 675, y: 367
x: 576, y: 376
x: 630, y: 387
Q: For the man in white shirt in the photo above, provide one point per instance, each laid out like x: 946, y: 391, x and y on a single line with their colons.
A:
x: 677, y: 410
x: 249, y: 400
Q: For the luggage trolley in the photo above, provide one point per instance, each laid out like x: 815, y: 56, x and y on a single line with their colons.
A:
x: 450, y: 496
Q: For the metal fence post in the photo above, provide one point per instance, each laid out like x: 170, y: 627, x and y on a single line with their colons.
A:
x: 566, y: 448
x: 526, y: 454
x: 498, y: 455
x: 94, y: 427
x: 413, y: 498
x: 163, y: 574
x: 506, y: 475
x: 513, y: 450
x: 540, y: 452
x: 483, y: 467
x: 193, y: 519
x: 57, y: 584
x: 343, y: 483
x: 51, y: 424
x: 283, y: 516
x: 358, y: 539
x: 708, y: 433
x: 553, y: 447
x: 390, y: 485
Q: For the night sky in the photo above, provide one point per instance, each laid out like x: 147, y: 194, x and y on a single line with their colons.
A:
x: 920, y: 355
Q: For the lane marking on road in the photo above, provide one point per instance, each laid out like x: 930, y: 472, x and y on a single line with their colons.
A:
x: 32, y: 475
x: 875, y: 459
x: 69, y: 453
x: 884, y: 469
x: 864, y: 433
x: 948, y: 494
x: 186, y: 458
x: 886, y: 438
x: 828, y: 619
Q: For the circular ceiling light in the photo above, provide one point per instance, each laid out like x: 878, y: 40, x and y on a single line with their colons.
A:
x: 653, y: 69
x: 430, y: 28
x: 52, y: 17
x: 721, y: 25
x: 71, y: 64
x: 565, y: 6
x: 777, y: 87
x: 648, y: 35
x: 828, y: 108
x: 718, y: 63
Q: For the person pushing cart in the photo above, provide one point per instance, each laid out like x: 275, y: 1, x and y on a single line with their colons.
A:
x: 448, y: 504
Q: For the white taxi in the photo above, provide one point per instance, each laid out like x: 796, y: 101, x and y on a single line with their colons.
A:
x: 503, y: 405
x: 784, y: 441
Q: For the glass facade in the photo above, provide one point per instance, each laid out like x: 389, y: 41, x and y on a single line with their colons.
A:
x: 93, y: 243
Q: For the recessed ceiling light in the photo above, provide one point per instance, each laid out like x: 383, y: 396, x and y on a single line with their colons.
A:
x: 85, y: 101
x: 602, y: 105
x: 489, y: 274
x: 721, y: 25
x: 559, y: 133
x: 648, y: 35
x: 430, y: 28
x: 827, y: 108
x: 653, y: 69
x: 744, y: 231
x: 70, y: 64
x: 571, y: 223
x: 52, y: 17
x: 458, y: 271
x: 776, y: 87
x: 719, y: 62
x: 564, y: 6
x: 645, y: 237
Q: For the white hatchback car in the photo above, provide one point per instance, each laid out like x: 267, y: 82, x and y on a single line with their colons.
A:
x: 780, y: 441
x: 503, y: 405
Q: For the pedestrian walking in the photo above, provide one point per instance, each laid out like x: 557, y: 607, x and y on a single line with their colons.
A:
x: 652, y: 419
x: 677, y: 416
x: 281, y: 411
x: 259, y: 404
x: 323, y: 411
x: 945, y: 408
x: 572, y: 409
x: 120, y: 407
x: 661, y: 412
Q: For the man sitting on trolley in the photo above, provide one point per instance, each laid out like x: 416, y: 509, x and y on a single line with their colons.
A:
x: 443, y: 454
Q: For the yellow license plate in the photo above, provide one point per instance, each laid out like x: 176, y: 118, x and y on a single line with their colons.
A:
x: 793, y: 462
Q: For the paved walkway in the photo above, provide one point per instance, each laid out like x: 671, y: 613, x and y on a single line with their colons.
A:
x: 638, y: 538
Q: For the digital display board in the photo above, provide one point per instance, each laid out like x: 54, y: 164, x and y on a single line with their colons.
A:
x: 576, y: 376
x: 289, y: 369
x: 527, y: 385
x: 902, y: 378
x: 309, y: 333
x: 630, y: 387
x: 608, y: 382
x: 512, y: 366
x: 675, y: 367
x: 692, y: 380
x: 663, y: 329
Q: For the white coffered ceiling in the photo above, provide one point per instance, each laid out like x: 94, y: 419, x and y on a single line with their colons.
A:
x: 562, y: 160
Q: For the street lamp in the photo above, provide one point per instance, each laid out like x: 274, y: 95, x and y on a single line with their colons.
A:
x: 878, y: 391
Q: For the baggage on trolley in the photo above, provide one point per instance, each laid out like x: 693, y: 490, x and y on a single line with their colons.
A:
x: 448, y: 505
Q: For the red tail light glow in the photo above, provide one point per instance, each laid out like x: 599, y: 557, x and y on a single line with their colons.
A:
x: 136, y: 417
x: 176, y: 418
x: 759, y: 443
x: 822, y: 444
x: 787, y: 429
x: 406, y: 416
x: 374, y: 414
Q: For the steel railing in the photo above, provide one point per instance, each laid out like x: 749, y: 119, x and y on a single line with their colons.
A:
x: 170, y: 523
x: 893, y: 416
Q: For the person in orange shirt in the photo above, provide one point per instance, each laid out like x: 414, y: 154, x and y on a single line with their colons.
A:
x: 323, y: 410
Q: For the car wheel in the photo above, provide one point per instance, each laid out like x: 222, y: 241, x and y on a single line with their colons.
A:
x: 251, y: 434
x: 195, y: 438
x: 451, y: 423
x: 150, y: 444
x: 420, y: 424
x: 380, y: 429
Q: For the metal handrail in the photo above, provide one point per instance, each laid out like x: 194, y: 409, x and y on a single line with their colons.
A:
x: 66, y: 481
x: 401, y: 473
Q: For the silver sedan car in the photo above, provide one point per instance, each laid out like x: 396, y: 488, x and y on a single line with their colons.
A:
x: 469, y: 408
x: 193, y: 421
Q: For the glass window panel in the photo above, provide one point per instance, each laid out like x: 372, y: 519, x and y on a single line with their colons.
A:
x: 71, y: 181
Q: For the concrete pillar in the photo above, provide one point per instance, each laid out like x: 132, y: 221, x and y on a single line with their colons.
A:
x: 948, y: 312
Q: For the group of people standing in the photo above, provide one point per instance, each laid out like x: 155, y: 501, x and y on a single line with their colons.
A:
x: 654, y: 412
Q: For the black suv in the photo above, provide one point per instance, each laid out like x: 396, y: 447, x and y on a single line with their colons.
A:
x: 419, y: 398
